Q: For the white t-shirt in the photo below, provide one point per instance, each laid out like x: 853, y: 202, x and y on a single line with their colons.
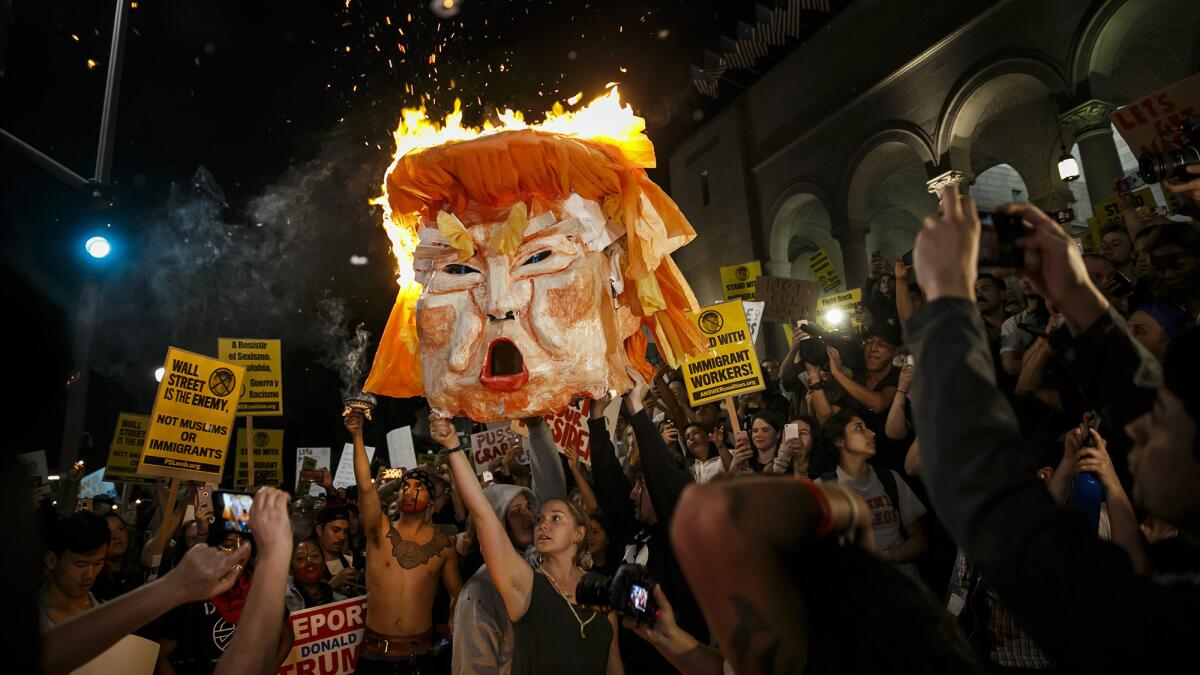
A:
x: 887, y: 519
x: 1012, y: 338
x: 707, y: 470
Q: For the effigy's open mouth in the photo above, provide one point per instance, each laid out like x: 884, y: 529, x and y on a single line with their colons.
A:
x: 504, y: 369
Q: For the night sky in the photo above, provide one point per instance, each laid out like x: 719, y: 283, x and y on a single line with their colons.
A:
x: 290, y: 106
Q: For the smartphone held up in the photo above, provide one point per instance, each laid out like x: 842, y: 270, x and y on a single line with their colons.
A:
x: 235, y: 510
x: 998, y: 237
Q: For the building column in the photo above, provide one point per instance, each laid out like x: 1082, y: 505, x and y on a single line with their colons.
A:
x: 779, y: 268
x: 939, y: 183
x: 853, y: 240
x: 1098, y: 156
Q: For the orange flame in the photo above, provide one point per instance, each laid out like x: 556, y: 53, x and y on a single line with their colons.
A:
x: 604, y: 119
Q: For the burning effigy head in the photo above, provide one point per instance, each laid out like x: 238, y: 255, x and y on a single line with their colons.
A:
x: 533, y: 262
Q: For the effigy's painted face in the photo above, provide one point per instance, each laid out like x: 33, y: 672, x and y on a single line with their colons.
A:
x: 505, y: 336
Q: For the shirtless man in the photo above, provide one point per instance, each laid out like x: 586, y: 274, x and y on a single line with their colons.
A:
x: 405, y: 559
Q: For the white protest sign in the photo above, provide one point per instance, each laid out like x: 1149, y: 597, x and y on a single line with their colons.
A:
x: 131, y: 655
x: 401, y: 453
x: 34, y: 464
x: 320, y: 460
x: 344, y: 476
x: 94, y: 484
x: 327, y: 638
x: 754, y: 314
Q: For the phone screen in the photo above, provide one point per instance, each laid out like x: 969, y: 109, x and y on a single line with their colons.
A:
x: 235, y: 510
x: 638, y: 598
x: 998, y: 241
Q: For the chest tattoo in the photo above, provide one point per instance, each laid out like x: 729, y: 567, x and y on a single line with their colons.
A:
x: 411, y: 555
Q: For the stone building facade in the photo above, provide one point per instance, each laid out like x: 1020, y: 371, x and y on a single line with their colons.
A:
x: 844, y: 144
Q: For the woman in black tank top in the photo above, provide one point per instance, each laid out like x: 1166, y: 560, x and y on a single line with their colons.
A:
x: 552, y: 634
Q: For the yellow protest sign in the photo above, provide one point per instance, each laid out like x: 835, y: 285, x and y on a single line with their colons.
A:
x: 824, y: 271
x: 731, y: 365
x: 262, y: 392
x: 737, y: 281
x: 844, y: 301
x: 126, y: 448
x: 268, y: 458
x: 192, y: 418
x: 1109, y: 212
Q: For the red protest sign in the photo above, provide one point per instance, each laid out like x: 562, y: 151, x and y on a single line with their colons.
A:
x: 327, y: 638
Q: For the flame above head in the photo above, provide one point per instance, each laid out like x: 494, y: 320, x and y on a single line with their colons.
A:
x: 604, y: 119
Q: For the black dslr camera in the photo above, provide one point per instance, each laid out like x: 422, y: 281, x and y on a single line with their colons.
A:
x: 628, y: 593
x: 1173, y: 164
x: 813, y: 350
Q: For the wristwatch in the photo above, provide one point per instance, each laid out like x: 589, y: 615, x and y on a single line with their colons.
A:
x: 816, y: 385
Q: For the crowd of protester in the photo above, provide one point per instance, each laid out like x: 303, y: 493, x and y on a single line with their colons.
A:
x: 908, y: 497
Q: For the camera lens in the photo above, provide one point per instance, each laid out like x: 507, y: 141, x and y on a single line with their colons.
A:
x: 1156, y: 166
x: 594, y: 592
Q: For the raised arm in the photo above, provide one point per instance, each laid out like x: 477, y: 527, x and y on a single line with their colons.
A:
x: 254, y: 645
x: 611, y: 486
x: 509, y: 571
x: 370, y: 509
x: 875, y: 401
x: 664, y: 479
x: 983, y: 486
x: 904, y: 303
x: 544, y: 465
x: 896, y: 426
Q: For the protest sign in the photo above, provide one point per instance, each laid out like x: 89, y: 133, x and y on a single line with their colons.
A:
x: 787, y: 299
x: 845, y: 301
x: 344, y: 476
x: 401, y: 453
x: 268, y: 458
x: 94, y: 484
x: 730, y: 367
x: 34, y: 464
x: 1151, y: 123
x: 192, y: 418
x: 319, y: 460
x: 131, y: 655
x: 126, y: 448
x: 568, y: 428
x: 262, y: 390
x: 737, y: 281
x: 327, y: 638
x: 824, y: 271
x: 754, y: 315
x: 486, y: 446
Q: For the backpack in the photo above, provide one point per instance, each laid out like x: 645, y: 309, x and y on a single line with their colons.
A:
x: 887, y: 478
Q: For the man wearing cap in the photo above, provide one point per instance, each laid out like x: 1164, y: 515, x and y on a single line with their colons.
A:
x: 870, y: 392
x: 331, y: 533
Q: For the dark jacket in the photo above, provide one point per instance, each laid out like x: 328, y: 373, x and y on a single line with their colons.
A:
x: 665, y: 481
x: 1117, y: 376
x: 1077, y: 595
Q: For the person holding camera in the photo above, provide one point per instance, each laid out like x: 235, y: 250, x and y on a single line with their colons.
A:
x: 639, y: 513
x: 552, y: 634
x: 869, y: 392
x: 1100, y: 616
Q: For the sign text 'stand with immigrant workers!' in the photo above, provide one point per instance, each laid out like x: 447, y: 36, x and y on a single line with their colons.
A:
x: 268, y: 458
x: 731, y: 365
x: 128, y: 440
x: 192, y: 418
x: 262, y: 391
x: 737, y: 281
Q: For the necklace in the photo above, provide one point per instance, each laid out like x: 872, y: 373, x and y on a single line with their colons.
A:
x: 570, y: 605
